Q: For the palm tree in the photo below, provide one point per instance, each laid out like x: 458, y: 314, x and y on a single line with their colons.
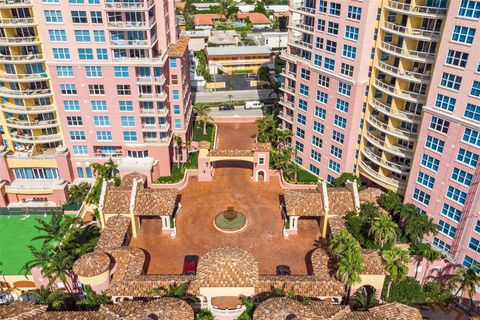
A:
x: 468, y: 281
x: 282, y: 138
x: 395, y: 261
x: 383, y: 230
x: 346, y: 249
x: 201, y: 110
x: 430, y: 255
x: 91, y: 300
x: 178, y: 291
x: 206, y: 119
x: 205, y: 314
x: 54, y: 299
x: 106, y: 170
x: 391, y: 202
x: 420, y: 251
x: 177, y: 146
x: 249, y: 308
x: 420, y: 226
x: 78, y: 192
x: 267, y: 127
x: 55, y: 230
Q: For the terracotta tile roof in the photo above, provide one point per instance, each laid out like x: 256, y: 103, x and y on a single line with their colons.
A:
x: 127, y: 181
x: 155, y: 202
x: 340, y: 201
x: 91, y: 264
x: 281, y: 308
x: 21, y: 310
x: 140, y: 286
x: 308, y: 286
x: 227, y: 267
x: 207, y: 18
x: 336, y: 225
x: 178, y: 48
x: 396, y: 311
x: 230, y: 153
x: 114, y: 234
x: 75, y: 315
x: 323, y: 264
x: 372, y: 262
x: 226, y: 302
x: 254, y: 17
x: 117, y: 200
x: 262, y: 146
x: 369, y: 195
x: 303, y: 203
x: 129, y: 262
x: 204, y: 145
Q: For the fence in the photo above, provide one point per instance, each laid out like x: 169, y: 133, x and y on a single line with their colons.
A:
x: 31, y: 210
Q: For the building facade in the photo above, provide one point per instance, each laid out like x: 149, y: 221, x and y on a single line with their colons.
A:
x: 115, y: 76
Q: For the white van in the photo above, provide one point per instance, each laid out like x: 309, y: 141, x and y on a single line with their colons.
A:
x: 253, y: 105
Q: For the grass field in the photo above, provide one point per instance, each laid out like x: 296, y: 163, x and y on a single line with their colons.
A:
x: 15, y: 235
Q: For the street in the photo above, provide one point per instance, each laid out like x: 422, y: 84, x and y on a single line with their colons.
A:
x: 236, y: 95
x: 239, y: 111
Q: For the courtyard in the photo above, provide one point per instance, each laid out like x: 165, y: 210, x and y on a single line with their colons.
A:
x: 231, y: 186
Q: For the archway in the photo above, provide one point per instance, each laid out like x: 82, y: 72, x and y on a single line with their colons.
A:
x: 261, y: 176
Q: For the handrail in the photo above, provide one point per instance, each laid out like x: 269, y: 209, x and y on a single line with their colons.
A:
x: 403, y: 73
x: 411, y: 31
x: 407, y: 52
x: 416, y: 9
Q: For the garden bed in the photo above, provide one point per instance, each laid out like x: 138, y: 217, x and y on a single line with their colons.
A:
x: 178, y: 171
x: 198, y: 132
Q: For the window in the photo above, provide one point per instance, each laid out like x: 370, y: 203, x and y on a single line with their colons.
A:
x: 176, y: 109
x: 301, y: 119
x: 434, y: 144
x: 342, y: 105
x: 68, y: 89
x: 99, y: 105
x: 421, y: 196
x: 104, y: 136
x: 351, y: 33
x: 99, y: 36
x: 338, y: 137
x: 317, y: 142
x: 346, y: 70
x: 471, y: 136
x: 472, y: 112
x: 79, y: 17
x: 322, y: 97
x: 315, y: 155
x: 440, y: 244
x: 463, y: 34
x: 77, y: 135
x: 323, y: 81
x: 329, y: 64
x: 82, y: 36
x: 451, y: 212
x: 468, y: 262
x: 299, y: 146
x: 125, y: 105
x: 129, y: 136
x: 332, y: 28
x: 128, y: 121
x: 80, y: 150
x: 475, y: 89
x: 344, y: 88
x: 57, y: 35
x: 451, y: 81
x: 120, y: 72
x: 354, y: 13
x: 74, y: 121
x: 317, y: 60
x: 462, y: 177
x: 331, y: 46
x: 446, y: 229
x: 93, y: 71
x: 85, y: 54
x: 430, y: 162
x: 101, y: 121
x: 468, y: 158
x: 96, y: 89
x: 456, y: 195
x: 313, y: 169
x: 336, y: 152
x: 102, y: 54
x: 425, y: 180
x: 321, y: 25
x: 96, y: 17
x: 349, y: 52
x: 340, y: 122
x: 175, y: 94
x: 61, y: 53
x: 445, y: 102
x: 477, y: 226
x: 335, y: 9
x: 123, y: 90
x: 322, y: 6
x: 469, y: 9
x: 302, y: 104
x: 36, y: 173
x: 64, y: 71
x: 71, y: 105
x: 303, y: 89
x: 332, y: 165
x: 75, y: 1
x: 457, y: 58
x: 320, y: 113
x: 305, y: 74
x: 439, y: 125
x: 300, y: 133
x: 318, y: 127
x: 53, y: 16
x: 474, y: 245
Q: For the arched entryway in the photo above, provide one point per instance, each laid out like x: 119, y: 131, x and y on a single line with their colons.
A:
x: 261, y: 176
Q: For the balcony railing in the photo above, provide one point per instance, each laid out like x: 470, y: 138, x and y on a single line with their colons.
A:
x: 21, y: 58
x: 286, y: 103
x: 395, y: 113
x: 288, y: 74
x: 288, y: 89
x: 393, y: 149
x: 285, y: 117
x: 409, y: 54
x: 142, y: 5
x: 414, y: 9
x: 31, y: 124
x: 404, y: 94
x: 19, y: 40
x: 14, y: 3
x: 300, y: 43
x: 390, y: 165
x: 159, y: 80
x: 403, y: 134
x: 404, y: 74
x: 44, y: 138
x: 12, y: 108
x: 28, y: 93
x: 298, y: 24
x: 303, y: 8
x: 153, y: 96
x: 375, y: 175
x: 412, y: 32
x: 16, y: 22
x: 125, y: 43
x: 24, y: 77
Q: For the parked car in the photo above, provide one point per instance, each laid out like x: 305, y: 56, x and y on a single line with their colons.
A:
x: 253, y: 105
x: 190, y: 265
x: 283, y: 270
x: 226, y: 107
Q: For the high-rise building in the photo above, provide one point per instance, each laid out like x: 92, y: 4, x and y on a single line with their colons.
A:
x: 115, y: 76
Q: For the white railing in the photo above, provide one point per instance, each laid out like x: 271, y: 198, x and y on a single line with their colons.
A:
x: 394, y: 4
x: 12, y: 3
x: 20, y: 40
x: 298, y: 42
x: 138, y: 42
x: 36, y: 123
x: 411, y: 75
x: 42, y: 138
x: 21, y: 57
x: 302, y: 7
x: 381, y: 144
x: 286, y: 73
x: 389, y: 164
x: 285, y: 117
x: 392, y: 130
x: 301, y: 25
x: 17, y: 21
x: 377, y: 176
x: 25, y: 76
x: 399, y: 114
x: 27, y: 92
x: 406, y: 52
x: 160, y: 79
x: 9, y: 107
x: 400, y: 92
x: 412, y: 31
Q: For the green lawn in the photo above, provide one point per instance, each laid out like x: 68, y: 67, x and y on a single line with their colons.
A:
x: 15, y: 235
x: 198, y: 132
x: 178, y: 172
x: 305, y: 176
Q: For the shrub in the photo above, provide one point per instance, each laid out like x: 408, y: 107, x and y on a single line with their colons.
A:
x: 407, y: 291
x: 344, y: 177
x: 435, y: 293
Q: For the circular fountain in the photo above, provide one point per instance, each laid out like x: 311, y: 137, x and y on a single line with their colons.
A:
x: 230, y: 221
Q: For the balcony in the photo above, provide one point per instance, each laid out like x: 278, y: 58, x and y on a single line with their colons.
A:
x: 410, y: 9
x: 293, y: 58
x: 400, y: 93
x: 12, y: 108
x: 154, y: 112
x: 30, y: 58
x: 301, y: 26
x: 395, y: 113
x: 7, y: 4
x: 376, y: 176
x: 128, y: 6
x: 285, y: 117
x: 152, y: 80
x: 16, y: 22
x: 389, y: 165
x: 419, y: 34
x: 288, y: 74
x: 19, y: 41
x: 286, y: 103
x: 152, y: 96
x: 23, y: 77
x: 26, y: 94
x: 131, y: 43
x: 399, y: 133
x: 36, y: 124
x: 403, y: 74
x: 390, y: 148
x: 35, y: 186
x: 298, y: 42
x: 128, y: 25
x: 303, y: 9
x: 163, y: 127
x: 44, y: 138
x: 419, y: 56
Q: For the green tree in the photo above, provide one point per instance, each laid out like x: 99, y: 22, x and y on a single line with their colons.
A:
x: 177, y: 147
x: 249, y: 308
x: 105, y: 170
x: 91, y: 300
x: 78, y: 192
x: 424, y: 251
x: 259, y: 7
x: 391, y: 202
x: 205, y: 314
x: 201, y: 112
x: 346, y: 249
x: 363, y: 300
x: 395, y: 261
x: 346, y: 176
x: 383, y: 230
x: 54, y: 299
x: 418, y: 228
x: 467, y: 280
x: 179, y: 291
x: 267, y: 127
x: 55, y: 230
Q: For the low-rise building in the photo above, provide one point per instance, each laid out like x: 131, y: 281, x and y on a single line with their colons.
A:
x: 258, y: 20
x: 207, y: 20
x: 204, y: 6
x: 232, y: 59
x: 197, y: 39
x: 224, y: 38
x: 274, y: 40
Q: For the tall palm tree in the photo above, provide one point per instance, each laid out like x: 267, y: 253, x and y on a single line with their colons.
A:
x: 206, y: 119
x: 267, y: 128
x: 282, y: 138
x: 383, y: 230
x: 177, y: 146
x: 200, y: 110
x: 91, y: 300
x: 468, y: 281
x: 419, y: 250
x: 391, y: 202
x: 55, y: 230
x: 105, y: 170
x: 346, y: 249
x: 54, y: 299
x: 420, y: 226
x: 395, y: 261
x: 78, y: 192
x: 430, y: 255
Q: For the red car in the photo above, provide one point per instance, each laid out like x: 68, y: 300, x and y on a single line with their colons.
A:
x: 190, y: 265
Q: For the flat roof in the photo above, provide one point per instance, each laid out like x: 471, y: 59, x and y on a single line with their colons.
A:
x: 245, y: 50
